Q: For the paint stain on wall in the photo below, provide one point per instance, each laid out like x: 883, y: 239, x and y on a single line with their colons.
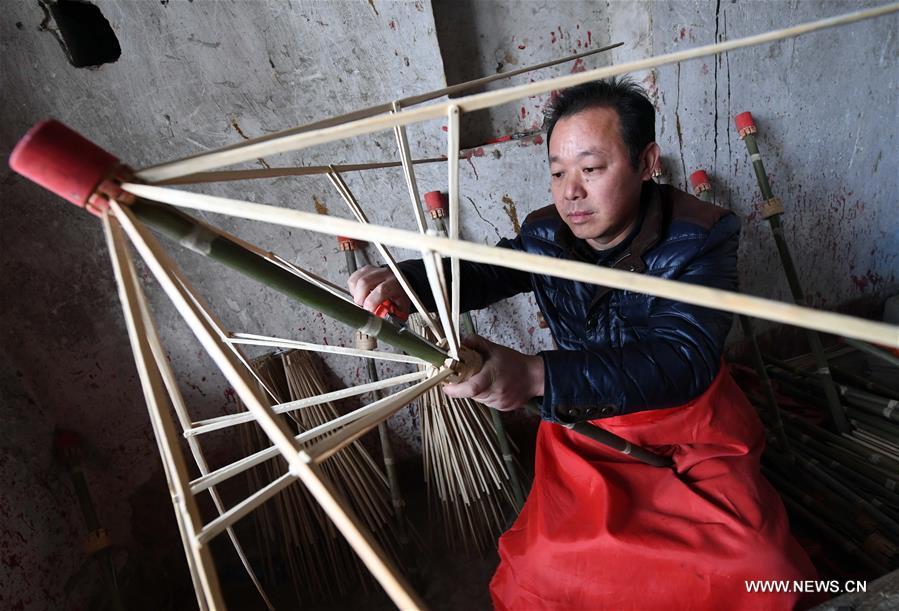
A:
x: 511, y: 212
x: 320, y: 207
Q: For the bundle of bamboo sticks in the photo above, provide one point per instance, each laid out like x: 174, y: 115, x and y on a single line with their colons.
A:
x: 465, y: 473
x: 295, y: 536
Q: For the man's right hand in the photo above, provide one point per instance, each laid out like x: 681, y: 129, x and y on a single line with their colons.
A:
x: 371, y: 285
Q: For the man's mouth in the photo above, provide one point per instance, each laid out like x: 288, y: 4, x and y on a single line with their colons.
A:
x: 580, y: 216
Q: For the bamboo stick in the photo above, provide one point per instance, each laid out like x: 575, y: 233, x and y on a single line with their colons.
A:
x: 702, y: 188
x: 227, y: 519
x: 344, y: 190
x: 367, y: 549
x: 728, y: 301
x: 204, y: 574
x: 518, y: 495
x: 322, y: 283
x: 886, y: 357
x: 278, y: 342
x: 171, y: 385
x: 241, y: 465
x: 220, y: 422
x: 389, y: 406
x: 452, y: 145
x: 434, y: 270
x: 277, y: 172
x: 370, y: 124
x: 402, y: 143
x: 215, y: 324
x: 404, y: 102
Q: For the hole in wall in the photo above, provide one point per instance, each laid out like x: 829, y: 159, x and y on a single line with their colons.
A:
x: 84, y: 33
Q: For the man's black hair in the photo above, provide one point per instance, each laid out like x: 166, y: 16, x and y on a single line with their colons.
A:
x: 635, y: 112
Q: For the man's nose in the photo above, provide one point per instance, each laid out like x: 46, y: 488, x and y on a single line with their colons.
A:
x: 574, y: 188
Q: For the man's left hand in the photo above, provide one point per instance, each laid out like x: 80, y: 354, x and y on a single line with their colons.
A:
x: 507, y: 381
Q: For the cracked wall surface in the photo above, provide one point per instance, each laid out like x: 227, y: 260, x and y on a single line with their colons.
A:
x: 194, y: 76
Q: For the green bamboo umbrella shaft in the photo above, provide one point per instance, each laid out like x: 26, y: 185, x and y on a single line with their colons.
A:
x: 610, y: 439
x: 838, y: 513
x: 872, y: 470
x: 500, y: 428
x: 856, y: 474
x: 834, y: 535
x: 874, y: 351
x: 887, y: 409
x: 870, y: 541
x: 213, y: 243
x: 92, y: 522
x: 882, y: 428
x: 786, y: 259
x: 393, y: 481
x: 849, y: 377
x: 875, y: 457
x: 702, y: 187
x: 818, y: 474
x: 885, y: 499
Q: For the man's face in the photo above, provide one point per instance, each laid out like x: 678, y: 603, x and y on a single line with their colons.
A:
x: 595, y: 188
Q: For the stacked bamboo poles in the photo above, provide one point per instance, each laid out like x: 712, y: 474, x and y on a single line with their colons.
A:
x: 810, y: 471
x: 437, y: 208
x: 465, y: 474
x: 293, y: 527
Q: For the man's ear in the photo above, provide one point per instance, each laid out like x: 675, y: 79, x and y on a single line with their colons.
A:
x: 648, y: 159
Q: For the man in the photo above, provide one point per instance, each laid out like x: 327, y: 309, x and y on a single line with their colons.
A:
x: 600, y: 530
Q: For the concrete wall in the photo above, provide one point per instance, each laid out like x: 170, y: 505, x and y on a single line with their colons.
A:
x: 197, y: 75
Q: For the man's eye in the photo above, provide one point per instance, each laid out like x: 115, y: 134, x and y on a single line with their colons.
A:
x: 557, y: 174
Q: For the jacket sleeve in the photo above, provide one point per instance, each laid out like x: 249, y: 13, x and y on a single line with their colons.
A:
x: 481, y: 284
x: 674, y: 363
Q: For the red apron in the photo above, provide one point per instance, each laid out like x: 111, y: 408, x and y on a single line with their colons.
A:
x: 602, y: 531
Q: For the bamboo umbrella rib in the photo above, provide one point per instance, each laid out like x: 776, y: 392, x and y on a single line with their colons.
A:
x: 209, y: 592
x: 322, y: 283
x: 278, y: 342
x: 386, y: 408
x: 220, y: 422
x: 160, y: 264
x: 177, y: 400
x: 370, y: 124
x: 452, y: 145
x: 402, y: 143
x: 213, y: 322
x: 360, y: 540
x: 278, y: 172
x: 410, y: 101
x: 241, y: 465
x: 434, y: 270
x: 344, y: 190
x: 227, y: 519
x: 800, y: 316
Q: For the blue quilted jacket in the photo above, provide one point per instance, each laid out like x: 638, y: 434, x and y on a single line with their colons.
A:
x: 620, y: 352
